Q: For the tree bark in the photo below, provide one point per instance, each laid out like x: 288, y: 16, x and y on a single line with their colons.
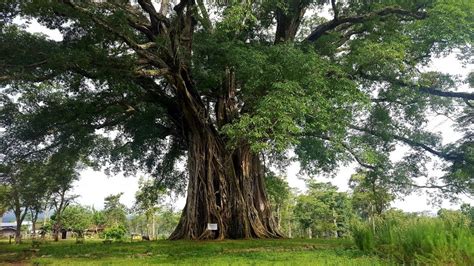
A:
x: 226, y: 186
x: 227, y: 190
x: 18, y: 233
x: 289, y: 20
x: 20, y: 217
x: 34, y: 218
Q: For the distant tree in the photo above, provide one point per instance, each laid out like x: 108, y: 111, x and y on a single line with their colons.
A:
x: 370, y: 195
x: 26, y: 186
x: 138, y: 224
x: 116, y: 232
x: 282, y: 200
x: 167, y: 219
x: 64, y: 174
x: 278, y: 193
x: 115, y: 212
x: 323, y: 210
x: 147, y: 201
x: 77, y: 218
x: 39, y: 199
x: 98, y: 219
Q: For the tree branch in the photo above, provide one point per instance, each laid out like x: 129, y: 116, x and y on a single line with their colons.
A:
x: 330, y: 25
x: 334, y: 9
x: 466, y: 96
x: 141, y: 49
x: 155, y: 17
x: 412, y: 143
x: 448, y: 94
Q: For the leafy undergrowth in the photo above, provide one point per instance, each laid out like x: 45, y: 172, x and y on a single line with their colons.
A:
x: 229, y: 252
x: 418, y: 240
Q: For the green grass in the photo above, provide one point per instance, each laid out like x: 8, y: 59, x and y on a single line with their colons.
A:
x: 229, y: 252
x: 418, y: 240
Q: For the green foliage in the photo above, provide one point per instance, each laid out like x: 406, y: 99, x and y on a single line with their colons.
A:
x: 98, y: 218
x: 151, y: 217
x: 305, y: 98
x: 65, y: 94
x: 468, y: 211
x: 278, y: 190
x: 424, y: 240
x: 167, y: 220
x: 324, y: 210
x: 370, y: 195
x: 77, y: 218
x: 282, y: 199
x: 115, y: 213
x: 363, y: 237
x: 4, y: 192
x: 116, y: 233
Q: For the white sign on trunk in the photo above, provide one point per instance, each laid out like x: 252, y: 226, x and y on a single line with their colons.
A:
x: 212, y: 227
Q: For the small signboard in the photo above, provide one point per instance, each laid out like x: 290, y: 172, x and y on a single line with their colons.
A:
x: 212, y: 227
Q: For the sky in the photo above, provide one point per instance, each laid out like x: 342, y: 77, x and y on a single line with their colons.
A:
x: 94, y: 186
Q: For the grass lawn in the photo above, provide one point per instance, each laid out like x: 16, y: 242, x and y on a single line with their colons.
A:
x: 229, y: 252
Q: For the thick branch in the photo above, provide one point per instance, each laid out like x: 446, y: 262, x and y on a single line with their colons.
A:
x: 204, y: 17
x: 348, y: 149
x: 412, y: 143
x: 449, y: 94
x: 330, y: 25
x: 289, y: 20
x: 141, y: 49
x: 334, y: 9
x: 155, y: 17
x: 466, y: 96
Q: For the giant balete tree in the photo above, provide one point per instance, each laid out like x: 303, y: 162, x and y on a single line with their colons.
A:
x: 230, y: 87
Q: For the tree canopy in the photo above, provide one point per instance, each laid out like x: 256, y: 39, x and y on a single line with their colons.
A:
x: 144, y: 85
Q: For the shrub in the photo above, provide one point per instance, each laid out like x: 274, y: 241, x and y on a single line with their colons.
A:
x: 116, y: 232
x: 416, y: 240
x: 363, y: 237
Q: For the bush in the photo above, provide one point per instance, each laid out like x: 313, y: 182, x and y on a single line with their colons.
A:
x: 415, y: 240
x: 116, y: 232
x: 363, y: 238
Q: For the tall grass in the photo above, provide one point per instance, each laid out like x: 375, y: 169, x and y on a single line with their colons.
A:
x: 418, y: 240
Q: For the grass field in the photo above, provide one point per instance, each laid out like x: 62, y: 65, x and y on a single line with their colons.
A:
x: 229, y: 252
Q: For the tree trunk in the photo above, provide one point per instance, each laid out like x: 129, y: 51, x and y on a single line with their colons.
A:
x: 18, y: 233
x: 56, y: 232
x: 153, y: 236
x: 289, y: 229
x: 34, y: 218
x: 226, y: 187
x: 227, y: 190
x: 20, y: 217
x: 57, y: 227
